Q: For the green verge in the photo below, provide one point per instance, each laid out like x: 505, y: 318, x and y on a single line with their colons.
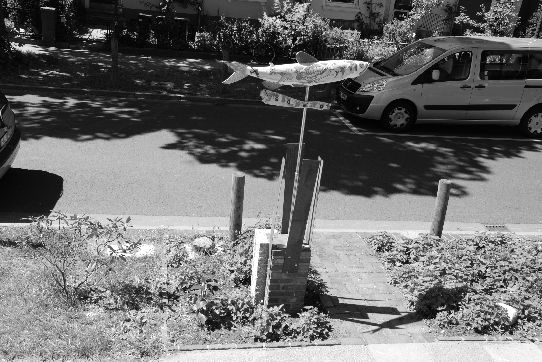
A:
x: 456, y: 283
x: 115, y: 306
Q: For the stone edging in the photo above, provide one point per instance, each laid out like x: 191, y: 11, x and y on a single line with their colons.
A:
x: 488, y: 339
x: 209, y: 347
x: 341, y: 341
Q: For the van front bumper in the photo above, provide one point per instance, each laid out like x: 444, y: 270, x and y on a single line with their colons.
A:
x: 353, y: 103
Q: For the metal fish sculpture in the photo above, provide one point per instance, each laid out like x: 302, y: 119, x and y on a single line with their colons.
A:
x: 307, y: 72
x: 276, y: 99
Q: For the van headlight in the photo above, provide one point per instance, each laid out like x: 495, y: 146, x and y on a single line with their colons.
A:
x: 375, y: 86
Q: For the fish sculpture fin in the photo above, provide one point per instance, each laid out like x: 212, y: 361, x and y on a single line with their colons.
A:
x: 240, y: 71
x: 271, y: 85
x: 305, y: 59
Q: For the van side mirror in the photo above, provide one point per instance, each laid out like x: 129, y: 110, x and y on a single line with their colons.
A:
x: 435, y: 74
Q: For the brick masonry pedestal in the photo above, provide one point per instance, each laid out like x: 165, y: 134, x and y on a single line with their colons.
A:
x: 278, y: 287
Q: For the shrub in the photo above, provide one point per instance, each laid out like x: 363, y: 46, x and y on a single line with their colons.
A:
x: 205, y: 41
x: 236, y: 34
x: 293, y: 27
x: 382, y: 242
x: 404, y: 31
x: 77, y: 251
x: 532, y: 24
x: 311, y: 325
x: 459, y: 281
x: 499, y: 20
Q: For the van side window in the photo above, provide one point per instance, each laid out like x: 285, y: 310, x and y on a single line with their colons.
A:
x: 453, y: 67
x: 534, y: 70
x: 503, y: 65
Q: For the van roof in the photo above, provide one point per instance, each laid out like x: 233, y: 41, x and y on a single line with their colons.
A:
x: 451, y: 42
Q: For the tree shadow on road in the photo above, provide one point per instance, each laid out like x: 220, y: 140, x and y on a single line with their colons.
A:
x: 252, y: 139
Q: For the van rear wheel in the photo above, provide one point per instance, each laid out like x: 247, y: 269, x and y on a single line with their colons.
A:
x: 399, y: 116
x: 531, y: 123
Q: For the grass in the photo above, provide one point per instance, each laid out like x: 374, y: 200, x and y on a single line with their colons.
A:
x: 143, y: 307
x: 128, y: 323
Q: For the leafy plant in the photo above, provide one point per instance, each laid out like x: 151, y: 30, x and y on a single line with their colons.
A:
x: 532, y: 29
x: 460, y: 281
x: 500, y: 19
x: 311, y: 325
x: 404, y: 31
x: 77, y: 251
x: 291, y: 28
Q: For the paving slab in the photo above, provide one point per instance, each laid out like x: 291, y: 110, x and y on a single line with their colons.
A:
x: 320, y: 354
x: 458, y: 352
x: 513, y: 352
x: 400, y: 352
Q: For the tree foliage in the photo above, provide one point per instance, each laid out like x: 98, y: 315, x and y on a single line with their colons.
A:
x: 404, y: 31
x: 500, y: 19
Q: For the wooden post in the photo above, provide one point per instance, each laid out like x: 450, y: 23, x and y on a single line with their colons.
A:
x: 237, y: 196
x: 300, y: 215
x: 289, y: 177
x: 441, y: 204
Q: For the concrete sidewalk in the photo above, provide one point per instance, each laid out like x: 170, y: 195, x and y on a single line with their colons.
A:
x: 420, y: 352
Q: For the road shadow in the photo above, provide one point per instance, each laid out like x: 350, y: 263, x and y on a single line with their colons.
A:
x: 27, y: 193
x: 379, y: 317
x: 252, y: 140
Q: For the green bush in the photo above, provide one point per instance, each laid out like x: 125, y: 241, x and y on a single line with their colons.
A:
x: 459, y: 281
x: 205, y: 41
x: 77, y: 251
x: 273, y: 325
x: 293, y: 27
x: 532, y: 24
x: 500, y: 19
x: 404, y: 31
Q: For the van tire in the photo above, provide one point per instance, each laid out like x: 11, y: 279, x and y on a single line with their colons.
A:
x: 531, y: 123
x: 399, y: 116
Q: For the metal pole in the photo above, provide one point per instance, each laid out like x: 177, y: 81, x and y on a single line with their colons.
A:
x: 441, y: 204
x: 300, y: 148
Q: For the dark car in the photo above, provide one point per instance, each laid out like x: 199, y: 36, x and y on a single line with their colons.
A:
x: 9, y: 136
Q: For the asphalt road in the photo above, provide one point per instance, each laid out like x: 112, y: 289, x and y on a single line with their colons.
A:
x: 131, y: 157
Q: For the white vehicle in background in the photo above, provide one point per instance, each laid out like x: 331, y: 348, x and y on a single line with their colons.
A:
x: 9, y: 136
x: 461, y: 79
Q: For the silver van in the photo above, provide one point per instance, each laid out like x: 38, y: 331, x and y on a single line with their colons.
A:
x: 460, y: 79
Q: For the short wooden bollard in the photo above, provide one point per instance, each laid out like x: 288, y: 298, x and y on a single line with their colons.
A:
x: 441, y: 205
x: 237, y: 197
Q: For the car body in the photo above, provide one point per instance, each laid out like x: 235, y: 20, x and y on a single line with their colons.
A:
x: 10, y: 136
x: 463, y: 79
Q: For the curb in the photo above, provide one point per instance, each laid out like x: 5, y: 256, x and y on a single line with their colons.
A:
x: 485, y: 339
x: 135, y: 95
x: 210, y: 347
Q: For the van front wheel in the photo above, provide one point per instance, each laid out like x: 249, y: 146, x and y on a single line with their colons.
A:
x: 531, y: 123
x: 399, y: 116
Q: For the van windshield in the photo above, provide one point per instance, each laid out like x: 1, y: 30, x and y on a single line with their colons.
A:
x: 409, y: 59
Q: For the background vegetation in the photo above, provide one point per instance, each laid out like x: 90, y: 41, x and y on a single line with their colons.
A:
x: 456, y: 283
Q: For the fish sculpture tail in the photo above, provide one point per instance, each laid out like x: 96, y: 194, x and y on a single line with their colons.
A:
x: 240, y: 71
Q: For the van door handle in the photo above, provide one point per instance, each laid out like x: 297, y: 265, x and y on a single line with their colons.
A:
x: 479, y: 86
x: 465, y: 86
